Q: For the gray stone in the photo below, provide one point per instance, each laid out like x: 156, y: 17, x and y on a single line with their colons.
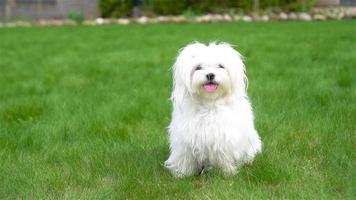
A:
x: 123, y: 21
x: 178, y: 19
x: 162, y: 19
x: 204, y: 18
x: 99, y: 21
x: 142, y: 20
x: 304, y: 17
x: 292, y: 16
x: 246, y: 18
x: 264, y: 18
x: 217, y: 18
x: 319, y: 17
x: 227, y: 17
x: 237, y: 18
x: 283, y: 16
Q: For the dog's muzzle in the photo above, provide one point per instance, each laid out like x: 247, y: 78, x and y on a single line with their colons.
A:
x: 210, y: 76
x: 210, y: 86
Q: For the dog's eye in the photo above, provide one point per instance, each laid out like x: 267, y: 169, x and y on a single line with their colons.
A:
x: 198, y: 67
x: 221, y: 66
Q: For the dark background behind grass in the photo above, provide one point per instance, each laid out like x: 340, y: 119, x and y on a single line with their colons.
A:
x: 84, y: 110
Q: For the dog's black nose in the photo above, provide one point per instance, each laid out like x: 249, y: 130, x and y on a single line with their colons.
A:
x: 210, y: 76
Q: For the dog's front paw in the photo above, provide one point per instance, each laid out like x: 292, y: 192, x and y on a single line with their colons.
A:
x: 252, y: 152
x: 182, y: 168
x: 229, y: 169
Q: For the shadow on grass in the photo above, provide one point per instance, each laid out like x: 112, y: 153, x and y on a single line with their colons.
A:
x: 144, y: 168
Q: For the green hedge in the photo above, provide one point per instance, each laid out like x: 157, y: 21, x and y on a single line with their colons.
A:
x: 116, y: 8
x: 166, y: 7
x: 123, y: 8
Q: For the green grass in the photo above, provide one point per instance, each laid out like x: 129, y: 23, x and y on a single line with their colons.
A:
x: 84, y: 111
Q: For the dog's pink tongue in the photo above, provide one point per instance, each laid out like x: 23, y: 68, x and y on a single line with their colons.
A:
x: 210, y: 87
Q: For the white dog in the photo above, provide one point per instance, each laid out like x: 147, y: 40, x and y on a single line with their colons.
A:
x: 212, y: 120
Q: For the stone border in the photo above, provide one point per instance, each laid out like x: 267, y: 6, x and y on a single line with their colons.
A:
x: 321, y: 13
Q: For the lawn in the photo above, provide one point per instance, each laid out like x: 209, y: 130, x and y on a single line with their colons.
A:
x: 84, y: 111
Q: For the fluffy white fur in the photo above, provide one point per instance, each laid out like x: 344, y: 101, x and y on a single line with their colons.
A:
x: 210, y: 129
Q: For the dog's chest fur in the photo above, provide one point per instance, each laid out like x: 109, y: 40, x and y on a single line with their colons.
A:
x: 214, y: 133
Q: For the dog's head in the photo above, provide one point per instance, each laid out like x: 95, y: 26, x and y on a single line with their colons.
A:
x: 208, y: 72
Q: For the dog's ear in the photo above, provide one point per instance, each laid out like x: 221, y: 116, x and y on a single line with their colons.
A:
x: 237, y: 69
x: 241, y: 81
x: 181, y: 72
x: 179, y: 91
